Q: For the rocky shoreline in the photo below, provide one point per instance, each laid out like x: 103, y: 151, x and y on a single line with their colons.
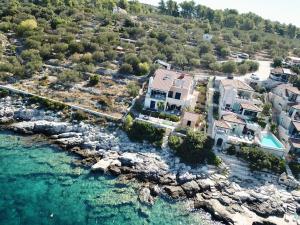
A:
x: 161, y: 173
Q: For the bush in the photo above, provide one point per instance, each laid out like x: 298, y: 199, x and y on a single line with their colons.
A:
x: 141, y: 131
x: 133, y: 89
x: 126, y: 69
x: 231, y: 150
x: 195, y: 148
x: 295, y: 168
x: 174, y: 142
x: 127, y: 123
x: 79, y: 116
x: 4, y: 93
x: 94, y: 80
x: 259, y: 160
x: 45, y: 103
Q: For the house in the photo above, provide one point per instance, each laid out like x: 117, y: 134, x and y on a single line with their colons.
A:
x: 233, y: 130
x: 238, y: 113
x: 237, y: 96
x: 164, y: 64
x: 289, y: 127
x: 118, y: 10
x: 293, y: 61
x: 207, y: 37
x: 284, y: 95
x: 170, y: 91
x: 190, y: 120
x: 281, y: 74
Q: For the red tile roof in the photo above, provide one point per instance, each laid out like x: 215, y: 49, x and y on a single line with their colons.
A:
x: 222, y: 124
x: 165, y: 79
x: 251, y: 107
x: 191, y: 116
x: 232, y: 118
x: 236, y: 84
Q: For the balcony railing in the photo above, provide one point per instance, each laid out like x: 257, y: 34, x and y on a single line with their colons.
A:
x: 158, y: 97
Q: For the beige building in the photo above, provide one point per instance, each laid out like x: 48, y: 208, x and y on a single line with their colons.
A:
x: 170, y: 91
x: 190, y: 120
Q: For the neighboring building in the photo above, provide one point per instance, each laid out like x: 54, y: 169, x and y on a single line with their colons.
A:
x: 293, y: 61
x: 118, y: 10
x: 171, y: 91
x: 281, y: 74
x: 164, y: 64
x: 190, y: 120
x: 284, y: 95
x: 289, y: 128
x: 207, y: 37
x: 239, y: 112
x: 233, y: 130
x: 237, y: 96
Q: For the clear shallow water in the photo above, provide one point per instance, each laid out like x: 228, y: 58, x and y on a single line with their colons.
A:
x: 39, y: 185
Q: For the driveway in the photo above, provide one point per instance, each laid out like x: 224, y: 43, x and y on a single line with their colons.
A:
x: 263, y: 71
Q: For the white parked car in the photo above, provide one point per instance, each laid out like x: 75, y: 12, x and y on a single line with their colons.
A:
x: 254, y: 77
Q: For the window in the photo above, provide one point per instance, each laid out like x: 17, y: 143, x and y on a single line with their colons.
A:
x: 177, y: 95
x: 188, y: 123
x: 170, y: 94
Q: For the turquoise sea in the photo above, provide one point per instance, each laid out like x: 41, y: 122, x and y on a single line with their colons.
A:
x: 39, y: 184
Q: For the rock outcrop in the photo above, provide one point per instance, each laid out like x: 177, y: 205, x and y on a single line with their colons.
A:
x: 111, y: 152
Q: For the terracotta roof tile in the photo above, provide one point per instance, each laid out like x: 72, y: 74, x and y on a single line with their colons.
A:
x: 297, y: 125
x: 222, y: 124
x: 191, y: 116
x: 232, y: 118
x: 251, y: 107
x: 165, y: 79
x: 236, y: 84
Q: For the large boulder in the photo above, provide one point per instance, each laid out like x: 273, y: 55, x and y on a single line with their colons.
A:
x: 174, y: 191
x: 191, y: 188
x: 145, y: 196
x: 130, y: 159
x: 102, y: 165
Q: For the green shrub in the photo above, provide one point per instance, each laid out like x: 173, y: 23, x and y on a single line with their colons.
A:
x: 231, y: 150
x: 94, y: 80
x: 141, y: 131
x: 45, y: 103
x: 79, y: 116
x: 133, y: 89
x: 295, y: 168
x: 258, y: 159
x: 4, y: 93
x: 127, y: 123
x: 174, y: 142
x: 195, y: 148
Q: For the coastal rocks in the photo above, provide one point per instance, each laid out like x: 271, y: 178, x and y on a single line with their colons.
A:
x: 191, y: 188
x: 130, y: 159
x: 102, y: 165
x: 214, y: 207
x: 41, y: 126
x: 174, y: 191
x: 145, y: 196
x: 112, y: 152
x: 267, y: 209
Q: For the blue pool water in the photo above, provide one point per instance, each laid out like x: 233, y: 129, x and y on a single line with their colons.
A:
x: 39, y: 184
x: 269, y: 141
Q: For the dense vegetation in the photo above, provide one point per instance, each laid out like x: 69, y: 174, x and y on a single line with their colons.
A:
x: 85, y: 35
x: 259, y: 159
x: 195, y: 148
x: 142, y: 131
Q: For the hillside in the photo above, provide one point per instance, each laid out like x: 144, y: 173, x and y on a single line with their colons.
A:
x: 59, y: 48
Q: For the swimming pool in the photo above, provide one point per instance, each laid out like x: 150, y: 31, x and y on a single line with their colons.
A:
x: 270, y: 141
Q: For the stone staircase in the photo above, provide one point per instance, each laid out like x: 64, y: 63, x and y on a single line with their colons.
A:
x: 165, y: 139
